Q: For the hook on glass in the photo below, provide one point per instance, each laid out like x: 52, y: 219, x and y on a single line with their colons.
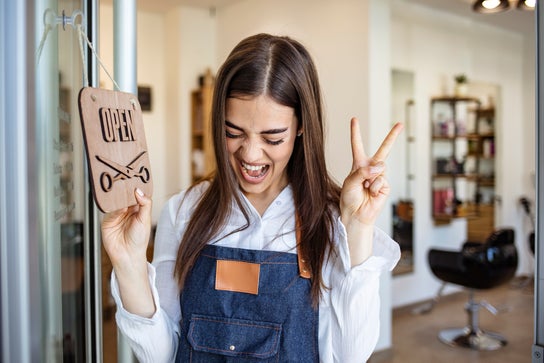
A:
x: 50, y: 18
x: 71, y: 20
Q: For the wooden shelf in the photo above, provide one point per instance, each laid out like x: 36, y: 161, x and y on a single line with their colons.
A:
x: 475, y: 157
x: 449, y: 175
x: 486, y: 135
x: 455, y: 99
x: 447, y: 138
x: 440, y: 219
x: 202, y: 158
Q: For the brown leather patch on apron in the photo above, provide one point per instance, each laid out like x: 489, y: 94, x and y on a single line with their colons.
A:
x: 237, y: 276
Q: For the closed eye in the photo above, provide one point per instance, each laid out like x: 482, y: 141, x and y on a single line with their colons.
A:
x: 274, y: 132
x: 273, y: 142
x: 230, y: 135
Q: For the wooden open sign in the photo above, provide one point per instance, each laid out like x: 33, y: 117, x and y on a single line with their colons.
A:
x: 116, y: 149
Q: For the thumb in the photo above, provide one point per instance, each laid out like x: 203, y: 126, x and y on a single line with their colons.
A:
x: 145, y: 203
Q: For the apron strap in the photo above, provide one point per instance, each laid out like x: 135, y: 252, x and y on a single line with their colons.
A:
x: 303, y: 268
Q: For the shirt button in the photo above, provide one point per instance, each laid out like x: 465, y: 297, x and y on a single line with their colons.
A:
x: 232, y: 347
x: 278, y: 202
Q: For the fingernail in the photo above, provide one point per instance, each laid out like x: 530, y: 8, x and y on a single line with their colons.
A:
x: 139, y: 191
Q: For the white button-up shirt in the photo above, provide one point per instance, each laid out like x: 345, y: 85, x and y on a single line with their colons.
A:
x: 349, y: 308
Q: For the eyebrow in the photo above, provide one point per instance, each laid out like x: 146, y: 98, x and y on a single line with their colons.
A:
x: 265, y: 132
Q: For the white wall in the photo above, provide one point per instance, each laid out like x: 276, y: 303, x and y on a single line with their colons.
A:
x: 436, y: 46
x: 190, y: 50
x: 336, y: 34
x: 173, y: 50
x: 528, y: 124
x: 150, y: 72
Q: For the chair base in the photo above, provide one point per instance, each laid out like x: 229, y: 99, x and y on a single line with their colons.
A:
x: 467, y: 338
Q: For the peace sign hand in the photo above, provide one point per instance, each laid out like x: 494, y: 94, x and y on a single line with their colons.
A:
x: 365, y: 189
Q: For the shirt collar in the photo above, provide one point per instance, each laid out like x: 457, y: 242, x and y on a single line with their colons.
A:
x: 278, y: 205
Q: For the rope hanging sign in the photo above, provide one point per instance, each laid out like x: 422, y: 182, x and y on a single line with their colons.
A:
x: 116, y: 147
x: 112, y: 126
x: 114, y: 136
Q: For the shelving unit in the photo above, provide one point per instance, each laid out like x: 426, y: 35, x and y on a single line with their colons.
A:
x: 482, y: 150
x: 202, y: 157
x: 463, y: 149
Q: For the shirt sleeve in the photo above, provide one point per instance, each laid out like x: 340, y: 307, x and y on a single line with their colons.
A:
x: 350, y: 307
x: 156, y: 339
x: 152, y: 339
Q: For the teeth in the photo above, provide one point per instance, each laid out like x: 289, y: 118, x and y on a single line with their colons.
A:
x: 252, y: 167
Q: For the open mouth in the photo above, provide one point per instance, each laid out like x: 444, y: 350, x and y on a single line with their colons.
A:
x: 254, y: 171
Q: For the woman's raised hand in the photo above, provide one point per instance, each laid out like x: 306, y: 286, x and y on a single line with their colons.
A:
x: 125, y: 232
x: 125, y: 235
x: 365, y: 189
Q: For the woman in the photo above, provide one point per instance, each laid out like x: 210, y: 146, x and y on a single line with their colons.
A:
x: 268, y: 260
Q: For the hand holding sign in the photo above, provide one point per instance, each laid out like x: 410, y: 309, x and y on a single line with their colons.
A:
x: 116, y: 147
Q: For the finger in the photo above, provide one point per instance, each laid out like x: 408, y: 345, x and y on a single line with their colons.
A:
x: 376, y: 186
x: 357, y: 147
x: 370, y: 171
x: 144, y: 202
x: 374, y: 170
x: 387, y: 143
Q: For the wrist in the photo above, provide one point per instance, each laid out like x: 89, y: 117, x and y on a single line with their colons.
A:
x: 135, y: 289
x: 130, y: 267
x: 359, y: 237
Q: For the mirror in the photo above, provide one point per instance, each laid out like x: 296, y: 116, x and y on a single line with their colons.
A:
x: 402, y: 178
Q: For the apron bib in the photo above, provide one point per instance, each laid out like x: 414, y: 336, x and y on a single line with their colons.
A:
x: 266, y: 317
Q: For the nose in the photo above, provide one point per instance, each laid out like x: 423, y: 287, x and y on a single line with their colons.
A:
x: 251, y: 149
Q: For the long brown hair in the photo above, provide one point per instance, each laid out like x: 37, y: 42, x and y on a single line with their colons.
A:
x: 281, y: 68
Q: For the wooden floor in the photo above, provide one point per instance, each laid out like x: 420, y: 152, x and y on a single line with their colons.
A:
x: 415, y: 336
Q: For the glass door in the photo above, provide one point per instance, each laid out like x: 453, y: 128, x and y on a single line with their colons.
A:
x: 63, y: 208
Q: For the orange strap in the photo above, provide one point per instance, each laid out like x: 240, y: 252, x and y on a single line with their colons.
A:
x: 303, y: 269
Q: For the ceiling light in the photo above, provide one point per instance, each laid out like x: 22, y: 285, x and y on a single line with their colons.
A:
x: 490, y: 6
x: 526, y: 4
x: 497, y: 6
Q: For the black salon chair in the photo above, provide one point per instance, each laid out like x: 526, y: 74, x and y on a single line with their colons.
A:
x: 531, y: 241
x: 476, y: 266
x: 526, y: 204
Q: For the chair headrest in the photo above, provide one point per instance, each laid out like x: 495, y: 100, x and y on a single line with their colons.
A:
x: 501, y: 237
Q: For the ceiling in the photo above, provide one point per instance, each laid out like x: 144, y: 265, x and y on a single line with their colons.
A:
x: 162, y: 6
x: 514, y: 20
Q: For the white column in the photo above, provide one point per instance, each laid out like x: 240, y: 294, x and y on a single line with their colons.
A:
x: 124, y: 64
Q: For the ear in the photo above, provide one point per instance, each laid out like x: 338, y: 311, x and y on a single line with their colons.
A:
x: 300, y: 131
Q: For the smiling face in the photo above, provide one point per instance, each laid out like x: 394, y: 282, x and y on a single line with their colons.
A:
x: 260, y: 136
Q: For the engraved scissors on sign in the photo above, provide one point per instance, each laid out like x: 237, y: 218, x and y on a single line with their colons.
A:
x: 123, y: 172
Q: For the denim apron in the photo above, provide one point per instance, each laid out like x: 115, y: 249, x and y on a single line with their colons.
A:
x: 278, y: 324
